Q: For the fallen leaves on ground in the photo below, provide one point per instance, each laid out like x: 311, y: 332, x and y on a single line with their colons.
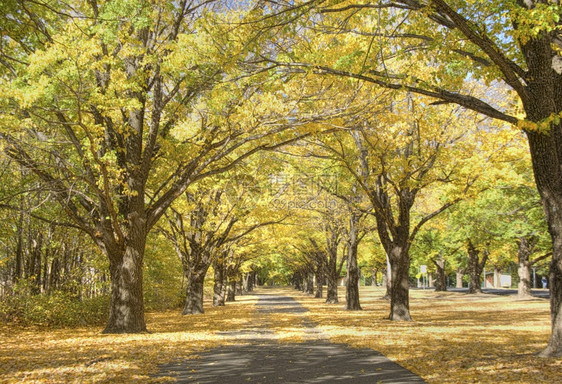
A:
x: 455, y: 338
x: 84, y: 355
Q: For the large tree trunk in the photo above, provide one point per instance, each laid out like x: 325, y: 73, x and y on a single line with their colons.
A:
x: 475, y: 268
x: 400, y: 277
x: 545, y: 154
x: 352, y: 288
x: 441, y: 277
x: 194, y: 293
x: 554, y: 215
x: 126, y: 308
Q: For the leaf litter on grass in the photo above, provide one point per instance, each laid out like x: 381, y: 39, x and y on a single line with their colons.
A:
x: 454, y: 338
x: 84, y: 355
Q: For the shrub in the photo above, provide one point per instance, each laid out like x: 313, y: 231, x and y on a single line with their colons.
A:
x: 59, y: 309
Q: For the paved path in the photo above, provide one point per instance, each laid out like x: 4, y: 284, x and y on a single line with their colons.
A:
x: 261, y: 359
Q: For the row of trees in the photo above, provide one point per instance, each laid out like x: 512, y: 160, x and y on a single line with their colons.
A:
x: 120, y: 108
x: 478, y: 199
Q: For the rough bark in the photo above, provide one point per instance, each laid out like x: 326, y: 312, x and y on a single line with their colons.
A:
x: 332, y: 278
x: 399, y: 293
x: 250, y: 281
x: 194, y: 294
x: 475, y: 268
x: 219, y: 289
x: 441, y: 277
x: 239, y: 287
x: 352, y: 288
x: 332, y: 286
x: 309, y: 283
x: 547, y: 166
x: 319, y: 277
x: 524, y: 269
x: 231, y: 291
x: 126, y: 308
x: 297, y: 281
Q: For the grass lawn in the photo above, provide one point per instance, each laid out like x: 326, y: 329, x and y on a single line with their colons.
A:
x: 455, y: 338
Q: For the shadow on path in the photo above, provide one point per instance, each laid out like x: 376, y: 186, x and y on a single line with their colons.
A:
x: 264, y: 360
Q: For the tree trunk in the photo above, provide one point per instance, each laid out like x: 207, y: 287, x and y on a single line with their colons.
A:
x: 35, y: 268
x: 297, y: 281
x: 524, y: 269
x: 54, y: 278
x: 441, y: 277
x: 332, y: 282
x: 126, y: 308
x: 224, y: 289
x: 19, y: 246
x: 246, y: 282
x: 250, y: 282
x: 239, y: 288
x: 310, y: 283
x: 544, y: 100
x: 475, y: 268
x: 194, y: 293
x: 218, y: 287
x: 352, y: 288
x: 459, y: 275
x: 374, y: 277
x: 400, y: 277
x: 319, y: 280
x: 231, y: 291
x: 387, y: 282
x: 544, y: 157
